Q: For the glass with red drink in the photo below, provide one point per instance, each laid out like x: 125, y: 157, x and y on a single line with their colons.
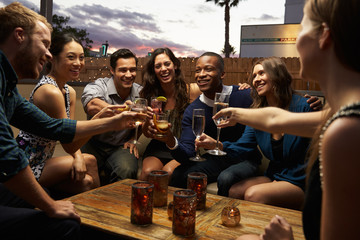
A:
x: 142, y: 203
x: 184, y: 212
x: 197, y: 182
x: 160, y: 179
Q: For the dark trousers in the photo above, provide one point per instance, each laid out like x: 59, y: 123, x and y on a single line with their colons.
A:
x: 212, y: 167
x: 19, y: 221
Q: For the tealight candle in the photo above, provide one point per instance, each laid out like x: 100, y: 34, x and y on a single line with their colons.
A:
x: 230, y: 216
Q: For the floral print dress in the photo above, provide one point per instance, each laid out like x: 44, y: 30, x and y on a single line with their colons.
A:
x: 39, y: 149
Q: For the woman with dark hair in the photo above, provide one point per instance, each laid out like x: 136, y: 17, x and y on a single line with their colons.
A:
x: 162, y: 76
x: 284, y: 180
x: 75, y: 172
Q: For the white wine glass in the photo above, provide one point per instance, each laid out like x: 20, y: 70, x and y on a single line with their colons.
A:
x: 140, y: 106
x: 221, y: 101
x: 198, y: 126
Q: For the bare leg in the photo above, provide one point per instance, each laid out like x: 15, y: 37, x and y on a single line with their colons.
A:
x: 57, y: 174
x: 170, y: 166
x: 238, y: 189
x: 278, y: 193
x: 150, y: 164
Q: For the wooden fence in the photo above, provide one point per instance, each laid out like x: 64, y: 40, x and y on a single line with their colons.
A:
x: 237, y: 70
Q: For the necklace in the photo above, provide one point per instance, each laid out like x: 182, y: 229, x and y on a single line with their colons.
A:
x: 345, y: 111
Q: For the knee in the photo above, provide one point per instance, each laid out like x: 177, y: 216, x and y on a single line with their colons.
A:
x: 253, y: 194
x: 145, y: 172
x: 91, y: 162
x: 236, y: 191
x: 88, y: 183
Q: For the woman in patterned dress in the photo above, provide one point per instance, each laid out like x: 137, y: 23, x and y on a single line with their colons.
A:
x: 76, y: 172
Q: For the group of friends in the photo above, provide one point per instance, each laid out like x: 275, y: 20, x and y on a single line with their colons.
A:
x: 266, y: 117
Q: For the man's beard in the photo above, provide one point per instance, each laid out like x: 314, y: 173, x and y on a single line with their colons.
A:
x: 25, y: 63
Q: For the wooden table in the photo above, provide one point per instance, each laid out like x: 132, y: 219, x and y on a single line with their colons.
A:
x: 108, y: 209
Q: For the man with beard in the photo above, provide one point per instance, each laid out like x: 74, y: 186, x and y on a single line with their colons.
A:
x: 25, y: 38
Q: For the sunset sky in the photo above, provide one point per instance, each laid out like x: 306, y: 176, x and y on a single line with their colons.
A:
x: 188, y: 27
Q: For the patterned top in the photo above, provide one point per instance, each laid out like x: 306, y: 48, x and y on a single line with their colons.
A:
x: 39, y: 149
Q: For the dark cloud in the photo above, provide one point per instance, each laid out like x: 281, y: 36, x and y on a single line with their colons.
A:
x: 95, y: 18
x: 136, y: 31
x: 264, y: 17
x: 24, y: 2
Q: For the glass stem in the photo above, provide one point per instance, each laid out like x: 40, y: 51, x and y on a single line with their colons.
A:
x: 198, y: 151
x: 136, y: 132
x: 217, y: 138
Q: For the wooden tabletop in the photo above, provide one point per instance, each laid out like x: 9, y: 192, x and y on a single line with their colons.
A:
x: 108, y: 209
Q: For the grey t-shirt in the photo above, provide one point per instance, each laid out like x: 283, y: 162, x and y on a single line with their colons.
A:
x: 104, y: 89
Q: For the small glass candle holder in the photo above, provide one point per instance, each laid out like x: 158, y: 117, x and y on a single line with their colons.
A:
x: 160, y: 179
x: 184, y: 213
x: 170, y: 210
x: 230, y: 216
x: 142, y: 203
x: 197, y: 182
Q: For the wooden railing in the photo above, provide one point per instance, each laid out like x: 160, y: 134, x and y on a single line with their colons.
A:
x: 237, y: 70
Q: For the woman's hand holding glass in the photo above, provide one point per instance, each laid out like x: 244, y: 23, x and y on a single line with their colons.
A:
x: 228, y: 117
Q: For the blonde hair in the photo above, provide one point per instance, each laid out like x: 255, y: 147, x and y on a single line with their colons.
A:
x: 16, y: 15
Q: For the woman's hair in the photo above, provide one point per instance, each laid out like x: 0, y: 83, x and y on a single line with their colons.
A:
x: 58, y: 43
x: 16, y: 15
x: 278, y: 74
x: 343, y: 20
x: 151, y: 84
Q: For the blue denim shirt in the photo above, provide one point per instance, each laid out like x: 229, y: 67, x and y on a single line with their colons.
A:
x: 17, y: 111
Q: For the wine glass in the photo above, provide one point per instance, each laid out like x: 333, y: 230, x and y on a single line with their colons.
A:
x: 198, y: 126
x: 221, y: 101
x: 140, y: 106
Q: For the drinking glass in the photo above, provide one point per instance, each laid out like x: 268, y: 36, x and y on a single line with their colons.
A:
x: 221, y: 101
x: 197, y: 182
x: 198, y: 126
x: 157, y: 105
x: 140, y: 106
x: 142, y: 203
x: 161, y: 123
x: 184, y: 213
x: 160, y: 179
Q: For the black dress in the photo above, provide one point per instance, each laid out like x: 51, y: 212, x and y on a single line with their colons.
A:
x: 313, y: 193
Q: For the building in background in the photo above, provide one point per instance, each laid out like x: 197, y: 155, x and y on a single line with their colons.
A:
x: 273, y: 39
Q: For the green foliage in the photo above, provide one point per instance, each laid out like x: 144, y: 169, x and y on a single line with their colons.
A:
x: 59, y: 24
x: 231, y: 48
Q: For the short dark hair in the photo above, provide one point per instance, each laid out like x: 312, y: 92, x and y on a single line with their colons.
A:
x: 219, y: 59
x: 121, y: 53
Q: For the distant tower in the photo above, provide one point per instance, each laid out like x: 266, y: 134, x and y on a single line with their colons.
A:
x: 293, y: 11
x: 46, y: 9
